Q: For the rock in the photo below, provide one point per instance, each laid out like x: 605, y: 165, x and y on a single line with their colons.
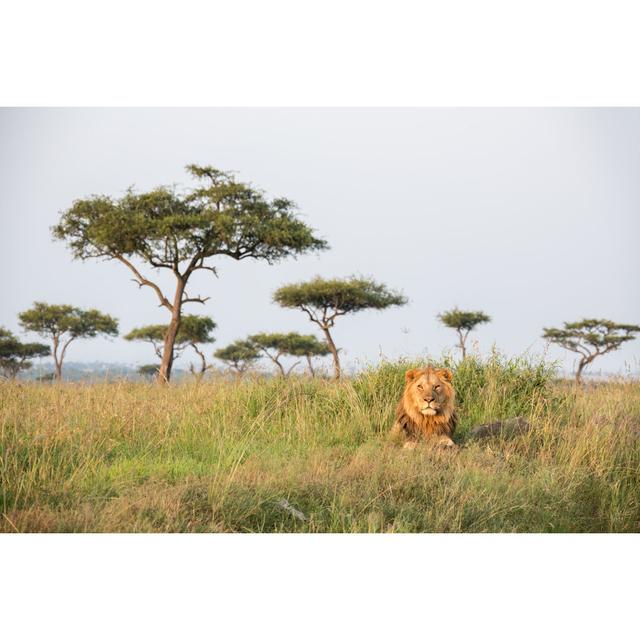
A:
x: 289, y: 508
x: 503, y: 428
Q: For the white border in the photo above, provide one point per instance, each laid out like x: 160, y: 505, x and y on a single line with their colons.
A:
x: 334, y: 52
x: 319, y: 586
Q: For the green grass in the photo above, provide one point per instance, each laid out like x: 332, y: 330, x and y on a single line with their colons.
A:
x: 223, y: 454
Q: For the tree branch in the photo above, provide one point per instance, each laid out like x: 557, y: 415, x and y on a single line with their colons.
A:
x: 157, y: 349
x: 311, y: 315
x: 295, y: 364
x: 158, y: 265
x: 64, y: 348
x: 201, y: 265
x: 199, y: 299
x: 144, y: 282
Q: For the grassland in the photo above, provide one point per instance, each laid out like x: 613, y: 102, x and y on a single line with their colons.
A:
x: 223, y: 455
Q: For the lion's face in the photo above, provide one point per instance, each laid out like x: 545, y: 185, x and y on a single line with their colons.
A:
x: 429, y: 390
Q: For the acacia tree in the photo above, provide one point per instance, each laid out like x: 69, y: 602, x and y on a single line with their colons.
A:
x: 324, y: 300
x: 148, y: 371
x: 63, y: 324
x: 309, y: 346
x: 276, y: 345
x: 591, y: 338
x: 464, y: 322
x: 154, y: 335
x: 194, y: 330
x: 240, y: 355
x: 180, y: 231
x: 15, y: 355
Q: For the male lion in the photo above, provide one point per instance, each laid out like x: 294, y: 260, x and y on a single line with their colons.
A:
x: 426, y: 410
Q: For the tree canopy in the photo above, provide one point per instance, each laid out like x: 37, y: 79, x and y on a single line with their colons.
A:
x: 239, y: 355
x: 181, y: 230
x: 337, y: 297
x: 307, y: 345
x: 591, y: 338
x: 196, y: 329
x: 15, y: 356
x: 64, y: 323
x: 325, y: 300
x: 463, y: 322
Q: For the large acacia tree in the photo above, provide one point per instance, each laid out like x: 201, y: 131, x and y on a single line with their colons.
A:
x: 464, y: 322
x: 325, y: 300
x: 194, y: 331
x: 591, y: 338
x: 63, y: 323
x: 181, y: 231
x: 15, y: 356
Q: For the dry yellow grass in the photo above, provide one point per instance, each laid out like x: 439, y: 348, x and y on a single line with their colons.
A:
x: 224, y: 455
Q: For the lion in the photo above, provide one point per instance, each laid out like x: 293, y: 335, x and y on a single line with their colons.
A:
x: 426, y: 410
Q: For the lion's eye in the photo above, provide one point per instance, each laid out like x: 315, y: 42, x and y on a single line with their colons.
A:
x: 437, y: 387
x: 420, y: 387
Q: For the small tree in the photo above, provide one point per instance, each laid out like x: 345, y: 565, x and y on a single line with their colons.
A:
x: 463, y: 322
x: 308, y: 346
x: 276, y: 345
x: 148, y: 371
x: 154, y: 335
x: 324, y: 300
x: 15, y: 356
x: 181, y: 231
x: 591, y: 338
x: 194, y: 331
x: 63, y: 324
x: 239, y: 355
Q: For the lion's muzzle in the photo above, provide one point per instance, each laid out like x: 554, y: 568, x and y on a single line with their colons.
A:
x: 429, y: 410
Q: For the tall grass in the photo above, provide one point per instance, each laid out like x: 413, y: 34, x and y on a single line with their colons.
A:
x: 223, y: 455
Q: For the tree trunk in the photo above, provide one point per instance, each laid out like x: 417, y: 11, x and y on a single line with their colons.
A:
x: 164, y: 373
x: 581, y: 365
x: 334, y: 352
x: 463, y: 346
x: 311, y: 371
x: 203, y: 363
x: 62, y: 354
x: 58, y: 363
x: 291, y: 368
x: 283, y: 373
x: 12, y: 372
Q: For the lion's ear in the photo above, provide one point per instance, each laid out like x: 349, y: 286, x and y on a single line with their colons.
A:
x: 445, y: 374
x: 411, y: 374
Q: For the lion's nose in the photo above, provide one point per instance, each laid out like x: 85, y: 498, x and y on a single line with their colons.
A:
x: 428, y: 399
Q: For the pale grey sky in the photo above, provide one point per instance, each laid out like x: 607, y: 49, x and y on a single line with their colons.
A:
x: 531, y: 215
